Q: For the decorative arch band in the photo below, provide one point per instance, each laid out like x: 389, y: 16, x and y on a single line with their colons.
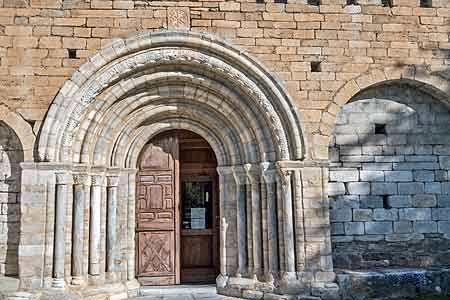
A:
x: 211, y: 78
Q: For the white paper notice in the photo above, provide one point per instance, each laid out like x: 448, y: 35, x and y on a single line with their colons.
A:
x: 198, y: 218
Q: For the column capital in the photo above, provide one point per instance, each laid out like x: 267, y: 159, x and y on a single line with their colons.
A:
x: 252, y: 172
x: 112, y: 180
x: 239, y: 174
x: 63, y: 178
x: 224, y: 170
x: 82, y: 179
x: 98, y: 180
x: 268, y: 172
x: 284, y: 174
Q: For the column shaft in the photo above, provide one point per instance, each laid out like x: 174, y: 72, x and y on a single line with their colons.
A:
x: 241, y: 228
x: 62, y: 181
x: 95, y: 225
x: 111, y: 221
x: 131, y: 226
x: 288, y: 221
x: 256, y: 224
x: 249, y: 223
x: 272, y: 228
x: 78, y: 229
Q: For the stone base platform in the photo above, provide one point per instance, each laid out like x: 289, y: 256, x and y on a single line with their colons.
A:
x: 392, y: 283
x: 115, y: 291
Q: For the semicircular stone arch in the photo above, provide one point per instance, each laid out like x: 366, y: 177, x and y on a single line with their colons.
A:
x: 139, y: 87
x: 220, y: 65
x: 412, y: 75
x: 388, y: 177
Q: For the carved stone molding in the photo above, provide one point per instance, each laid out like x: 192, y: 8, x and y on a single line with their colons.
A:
x: 98, y: 180
x: 83, y: 179
x: 63, y: 178
x: 112, y: 180
x: 155, y: 57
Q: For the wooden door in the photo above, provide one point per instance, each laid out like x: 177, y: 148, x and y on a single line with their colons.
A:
x: 157, y: 259
x: 168, y: 250
x: 199, y: 210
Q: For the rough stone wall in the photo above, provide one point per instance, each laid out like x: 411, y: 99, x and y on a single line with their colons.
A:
x: 389, y: 183
x: 348, y: 40
x: 11, y: 155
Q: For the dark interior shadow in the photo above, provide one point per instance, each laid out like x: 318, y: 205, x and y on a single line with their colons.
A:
x: 11, y: 155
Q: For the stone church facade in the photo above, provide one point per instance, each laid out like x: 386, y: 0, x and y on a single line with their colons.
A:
x: 327, y: 120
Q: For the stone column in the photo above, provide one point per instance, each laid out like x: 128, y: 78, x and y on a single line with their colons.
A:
x: 63, y: 181
x: 241, y: 221
x: 224, y: 175
x: 131, y: 223
x: 254, y: 201
x: 288, y: 220
x: 80, y: 183
x: 111, y: 222
x: 98, y: 182
x: 269, y: 176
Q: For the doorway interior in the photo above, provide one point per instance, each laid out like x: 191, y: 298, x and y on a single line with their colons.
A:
x: 177, y: 211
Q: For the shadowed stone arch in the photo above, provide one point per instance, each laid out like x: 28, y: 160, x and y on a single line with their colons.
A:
x: 412, y: 75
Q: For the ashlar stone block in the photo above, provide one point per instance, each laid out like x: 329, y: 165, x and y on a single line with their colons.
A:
x: 411, y: 188
x: 415, y: 214
x: 378, y: 227
x: 358, y: 188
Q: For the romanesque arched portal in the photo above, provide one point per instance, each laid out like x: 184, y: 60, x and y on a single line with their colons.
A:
x: 150, y: 83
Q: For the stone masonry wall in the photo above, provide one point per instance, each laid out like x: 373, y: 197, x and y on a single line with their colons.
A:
x: 10, y: 156
x: 43, y: 42
x: 314, y: 50
x: 389, y: 180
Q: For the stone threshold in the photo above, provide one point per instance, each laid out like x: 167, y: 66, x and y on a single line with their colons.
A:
x: 393, y: 283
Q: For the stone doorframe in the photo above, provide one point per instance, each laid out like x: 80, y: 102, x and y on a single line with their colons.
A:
x: 274, y: 212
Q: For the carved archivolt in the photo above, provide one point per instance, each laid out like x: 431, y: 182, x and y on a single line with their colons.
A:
x: 232, y: 68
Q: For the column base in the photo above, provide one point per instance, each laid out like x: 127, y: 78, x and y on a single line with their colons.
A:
x: 96, y: 279
x: 78, y: 280
x: 221, y: 281
x: 289, y: 284
x: 111, y: 276
x: 58, y: 283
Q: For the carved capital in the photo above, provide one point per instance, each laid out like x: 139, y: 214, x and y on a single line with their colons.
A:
x: 284, y: 175
x: 83, y: 179
x: 224, y: 171
x: 252, y: 173
x: 63, y: 178
x: 239, y: 175
x: 113, y: 180
x: 98, y: 180
x: 268, y: 172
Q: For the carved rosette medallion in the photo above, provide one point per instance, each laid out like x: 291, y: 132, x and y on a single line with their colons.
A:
x: 178, y: 17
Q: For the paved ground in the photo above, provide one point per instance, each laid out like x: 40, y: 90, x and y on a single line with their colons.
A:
x: 180, y: 292
x: 205, y: 292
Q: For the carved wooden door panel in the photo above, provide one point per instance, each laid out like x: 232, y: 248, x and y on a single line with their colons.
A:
x: 157, y: 213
